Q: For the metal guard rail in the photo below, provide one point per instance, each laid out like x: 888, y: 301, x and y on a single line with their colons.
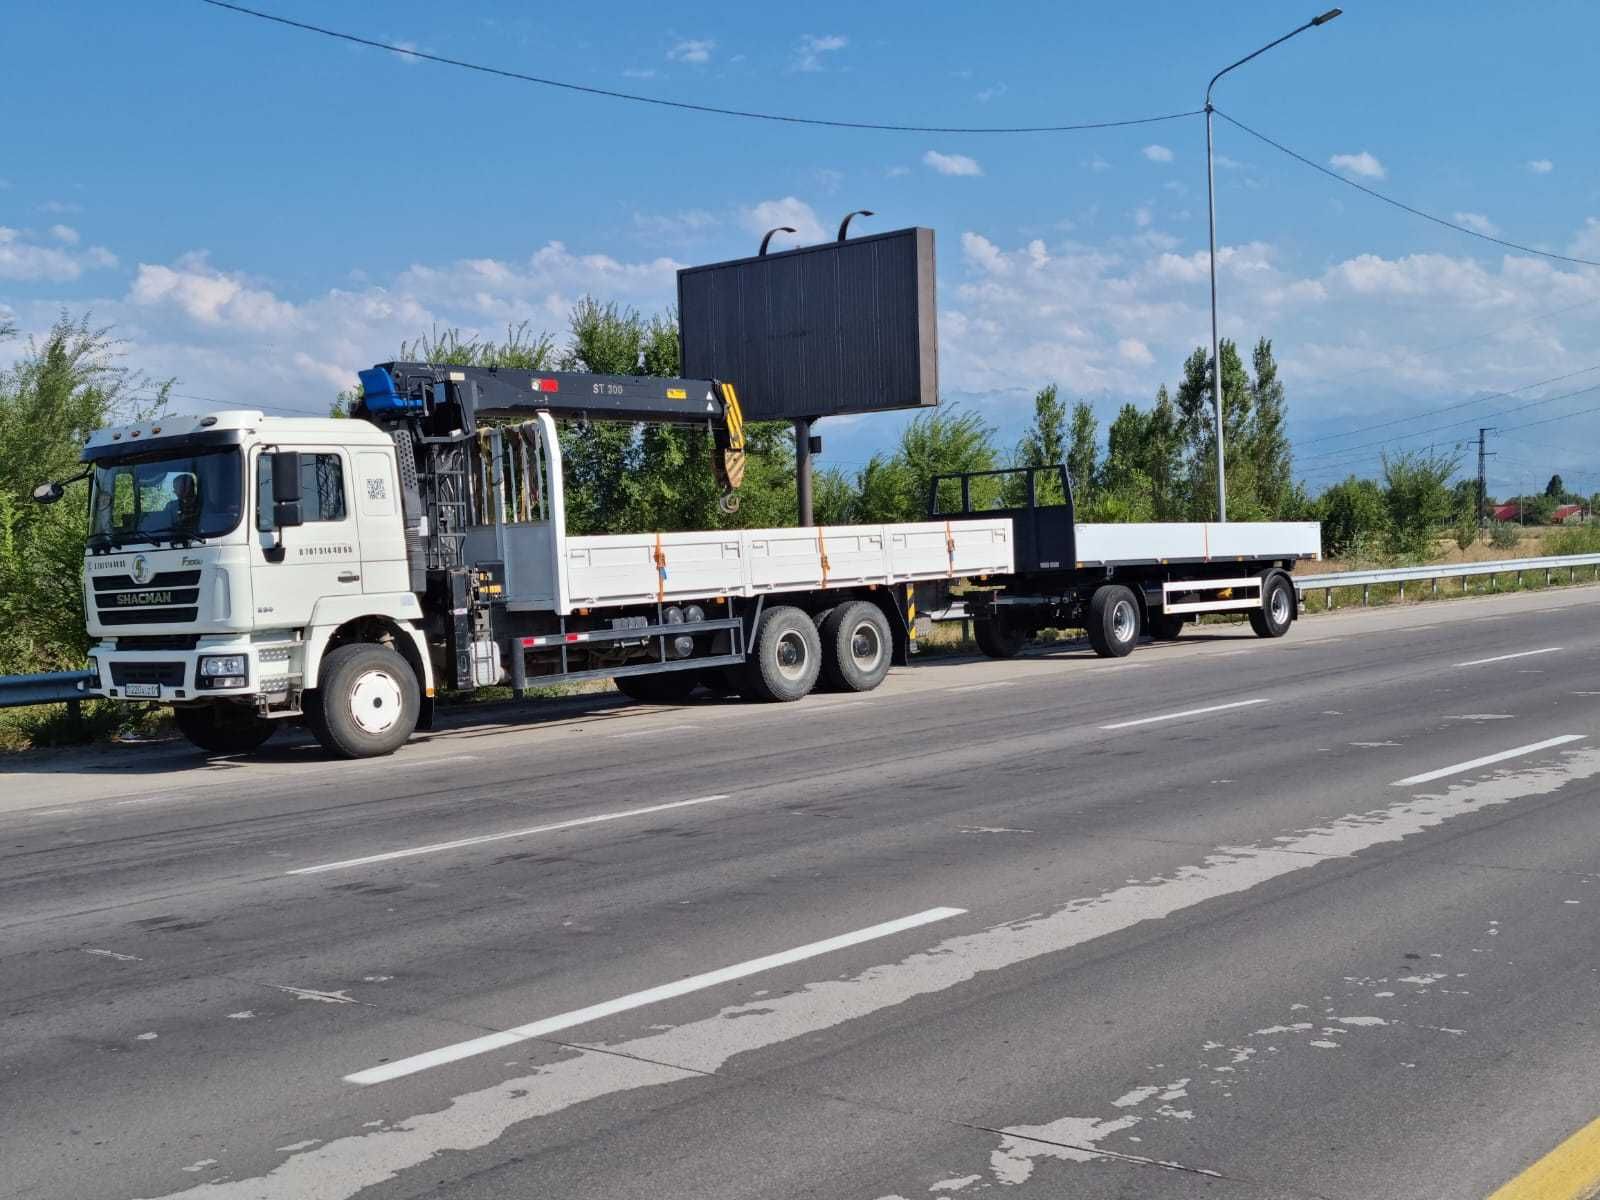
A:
x: 54, y: 687
x: 1436, y: 572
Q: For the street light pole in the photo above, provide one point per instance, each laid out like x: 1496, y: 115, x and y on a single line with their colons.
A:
x: 1211, y: 204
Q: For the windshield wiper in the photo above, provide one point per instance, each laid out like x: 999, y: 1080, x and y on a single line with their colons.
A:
x: 178, y: 537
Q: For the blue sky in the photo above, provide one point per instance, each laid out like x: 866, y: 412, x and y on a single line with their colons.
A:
x: 260, y: 211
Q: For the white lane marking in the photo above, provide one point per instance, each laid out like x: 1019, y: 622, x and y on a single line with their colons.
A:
x: 474, y: 1119
x: 1188, y: 712
x: 458, y: 843
x: 978, y: 687
x: 115, y: 955
x: 1473, y: 764
x: 681, y: 987
x: 657, y: 729
x: 1478, y: 662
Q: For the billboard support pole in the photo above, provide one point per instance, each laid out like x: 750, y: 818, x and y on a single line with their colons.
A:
x: 802, y: 469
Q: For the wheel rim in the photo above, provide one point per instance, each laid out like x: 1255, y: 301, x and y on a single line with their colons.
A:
x: 792, y: 655
x: 376, y: 701
x: 1279, y: 606
x: 1124, y: 621
x: 866, y: 646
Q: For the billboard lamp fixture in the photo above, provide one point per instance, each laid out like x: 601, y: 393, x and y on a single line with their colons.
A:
x: 768, y: 238
x: 844, y: 225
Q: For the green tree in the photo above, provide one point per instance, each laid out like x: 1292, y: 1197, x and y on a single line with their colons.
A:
x: 1555, y: 489
x: 60, y: 389
x: 1083, y: 453
x: 1418, y: 499
x: 934, y: 442
x: 1353, y: 516
x: 1266, y: 438
x: 1043, y: 445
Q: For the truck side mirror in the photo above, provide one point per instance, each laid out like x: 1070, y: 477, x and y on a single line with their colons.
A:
x: 286, y: 510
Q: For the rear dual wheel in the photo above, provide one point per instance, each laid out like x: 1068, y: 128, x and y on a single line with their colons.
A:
x: 856, y: 647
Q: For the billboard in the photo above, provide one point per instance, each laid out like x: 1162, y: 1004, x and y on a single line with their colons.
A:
x: 842, y: 327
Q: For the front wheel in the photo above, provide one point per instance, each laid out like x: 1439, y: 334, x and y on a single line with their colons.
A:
x: 1113, y: 625
x: 1276, y: 613
x: 365, y: 703
x: 220, y: 727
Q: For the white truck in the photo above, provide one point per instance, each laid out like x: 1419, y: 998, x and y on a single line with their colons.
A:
x: 252, y: 570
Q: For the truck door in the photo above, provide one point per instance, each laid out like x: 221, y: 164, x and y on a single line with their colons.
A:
x: 383, y: 536
x: 292, y: 569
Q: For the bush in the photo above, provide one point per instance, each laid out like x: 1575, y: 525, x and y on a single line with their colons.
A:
x: 1584, y: 539
x: 1352, y: 515
x: 1505, y: 536
x: 1466, y: 534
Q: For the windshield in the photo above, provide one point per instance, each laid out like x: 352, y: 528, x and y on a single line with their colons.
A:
x: 174, y: 497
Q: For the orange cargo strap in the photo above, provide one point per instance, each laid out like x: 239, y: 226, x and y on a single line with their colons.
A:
x: 950, y: 546
x: 822, y: 553
x: 1205, y: 534
x: 661, y: 571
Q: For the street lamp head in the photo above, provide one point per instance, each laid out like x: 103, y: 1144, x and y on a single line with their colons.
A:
x: 1327, y: 16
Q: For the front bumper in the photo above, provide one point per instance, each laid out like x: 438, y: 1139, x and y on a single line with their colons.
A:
x: 168, y: 676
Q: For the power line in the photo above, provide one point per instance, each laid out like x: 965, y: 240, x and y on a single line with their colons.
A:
x: 634, y: 97
x: 1428, y: 412
x: 1377, y: 195
x: 1351, y: 450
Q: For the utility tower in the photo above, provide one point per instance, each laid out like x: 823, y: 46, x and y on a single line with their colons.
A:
x: 1483, y: 462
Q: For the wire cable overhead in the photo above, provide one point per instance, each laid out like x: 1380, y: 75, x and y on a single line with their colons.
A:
x: 659, y: 101
x: 1390, y: 200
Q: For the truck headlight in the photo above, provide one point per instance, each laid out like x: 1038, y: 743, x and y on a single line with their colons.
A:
x: 223, y: 671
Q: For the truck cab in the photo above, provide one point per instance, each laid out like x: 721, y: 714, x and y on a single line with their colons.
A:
x: 229, y: 554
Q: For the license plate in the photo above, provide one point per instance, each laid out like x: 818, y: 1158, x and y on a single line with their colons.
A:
x: 150, y: 691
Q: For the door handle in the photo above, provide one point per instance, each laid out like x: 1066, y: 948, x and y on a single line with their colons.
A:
x: 349, y: 577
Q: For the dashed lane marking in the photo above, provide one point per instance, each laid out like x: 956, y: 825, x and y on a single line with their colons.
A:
x: 1478, y: 662
x: 1188, y: 712
x: 1474, y: 763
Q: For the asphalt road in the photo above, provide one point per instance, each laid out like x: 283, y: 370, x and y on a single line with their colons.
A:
x: 992, y: 927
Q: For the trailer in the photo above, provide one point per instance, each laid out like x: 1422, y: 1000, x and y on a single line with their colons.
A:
x: 253, y: 571
x: 1115, y: 581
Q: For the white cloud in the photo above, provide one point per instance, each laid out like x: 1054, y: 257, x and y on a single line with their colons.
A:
x: 770, y: 214
x: 1228, y: 164
x: 828, y: 179
x: 639, y: 72
x: 896, y: 171
x: 1142, y: 217
x: 808, y: 55
x: 60, y: 207
x: 65, y: 233
x: 209, y: 296
x: 406, y: 52
x: 984, y: 254
x: 952, y: 164
x: 1096, y: 164
x: 1478, y: 223
x: 1363, y: 164
x: 24, y: 259
x: 1540, y: 166
x: 1158, y: 154
x: 691, y: 50
x: 1132, y: 350
x: 1587, y: 243
x: 989, y: 93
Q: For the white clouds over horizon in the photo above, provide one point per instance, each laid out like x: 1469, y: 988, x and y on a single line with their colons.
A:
x: 791, y: 211
x: 26, y: 259
x: 1539, y: 166
x: 691, y: 50
x: 1157, y: 154
x: 1478, y: 223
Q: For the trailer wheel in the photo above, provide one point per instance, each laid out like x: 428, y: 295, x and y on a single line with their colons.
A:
x: 1167, y: 627
x: 856, y: 647
x: 669, y: 687
x: 785, y: 656
x: 223, y: 728
x: 1113, y: 621
x: 997, y: 637
x: 1276, y: 613
x: 366, y: 701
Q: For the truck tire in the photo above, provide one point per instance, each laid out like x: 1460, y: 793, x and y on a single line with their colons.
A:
x: 856, y: 647
x: 1276, y: 613
x: 669, y: 687
x: 1113, y: 625
x: 1167, y: 627
x: 220, y: 727
x: 997, y: 637
x: 365, y: 703
x: 785, y: 656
